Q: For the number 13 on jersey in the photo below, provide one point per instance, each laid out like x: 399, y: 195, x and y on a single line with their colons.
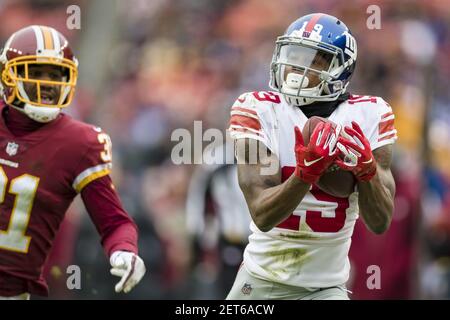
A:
x: 327, y: 221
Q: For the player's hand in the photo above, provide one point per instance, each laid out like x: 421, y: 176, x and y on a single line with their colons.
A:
x: 129, y: 267
x: 318, y: 155
x: 358, y: 157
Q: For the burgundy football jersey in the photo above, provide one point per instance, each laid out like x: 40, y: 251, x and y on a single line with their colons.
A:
x: 40, y: 174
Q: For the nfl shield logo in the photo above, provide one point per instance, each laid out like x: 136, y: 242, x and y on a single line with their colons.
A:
x: 11, y: 148
x: 246, y: 289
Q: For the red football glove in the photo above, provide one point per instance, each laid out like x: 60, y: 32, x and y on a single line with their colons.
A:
x: 318, y: 155
x: 358, y: 156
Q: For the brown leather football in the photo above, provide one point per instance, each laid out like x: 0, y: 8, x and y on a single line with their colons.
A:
x: 334, y: 181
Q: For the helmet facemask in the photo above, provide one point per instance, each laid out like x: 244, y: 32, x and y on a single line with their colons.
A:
x: 305, y: 70
x: 24, y: 86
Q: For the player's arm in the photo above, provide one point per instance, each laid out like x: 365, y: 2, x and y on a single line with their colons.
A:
x: 376, y: 196
x: 270, y: 202
x: 117, y: 231
x: 376, y: 184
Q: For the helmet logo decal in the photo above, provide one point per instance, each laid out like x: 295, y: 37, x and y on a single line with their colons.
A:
x: 313, y: 33
x: 350, y: 45
x: 310, y: 26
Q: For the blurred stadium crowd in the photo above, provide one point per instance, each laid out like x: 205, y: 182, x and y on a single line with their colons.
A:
x: 149, y: 67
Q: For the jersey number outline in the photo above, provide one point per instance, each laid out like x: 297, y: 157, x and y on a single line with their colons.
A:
x: 317, y: 220
x: 267, y: 96
x: 24, y: 187
x: 106, y: 154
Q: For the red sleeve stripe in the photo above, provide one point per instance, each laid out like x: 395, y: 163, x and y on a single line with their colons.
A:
x: 245, y: 114
x: 386, y: 115
x: 386, y: 126
x: 245, y: 122
x: 387, y: 133
x: 244, y: 129
x: 244, y: 110
x: 389, y: 136
x: 233, y: 130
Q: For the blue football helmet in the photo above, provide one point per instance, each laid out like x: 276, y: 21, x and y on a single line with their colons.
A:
x: 314, y: 60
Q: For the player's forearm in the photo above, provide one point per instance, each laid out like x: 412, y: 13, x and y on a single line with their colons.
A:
x: 275, y: 204
x: 376, y: 202
x: 122, y: 237
x: 116, y: 228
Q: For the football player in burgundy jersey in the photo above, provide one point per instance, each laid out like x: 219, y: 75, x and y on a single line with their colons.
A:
x: 301, y: 234
x: 46, y: 159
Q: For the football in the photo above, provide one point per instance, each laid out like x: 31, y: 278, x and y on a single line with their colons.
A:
x: 334, y: 181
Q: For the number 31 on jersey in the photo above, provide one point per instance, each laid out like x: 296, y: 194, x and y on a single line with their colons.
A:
x: 24, y: 188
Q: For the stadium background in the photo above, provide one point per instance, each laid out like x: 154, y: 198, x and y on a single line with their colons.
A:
x: 149, y: 67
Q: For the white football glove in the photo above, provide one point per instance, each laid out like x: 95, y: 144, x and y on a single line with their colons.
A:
x: 129, y: 267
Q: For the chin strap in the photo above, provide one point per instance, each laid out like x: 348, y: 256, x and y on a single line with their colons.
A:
x: 41, y: 114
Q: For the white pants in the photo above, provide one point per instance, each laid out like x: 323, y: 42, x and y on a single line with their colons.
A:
x: 247, y: 287
x: 23, y: 296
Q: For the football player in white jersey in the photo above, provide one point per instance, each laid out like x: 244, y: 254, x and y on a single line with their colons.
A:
x: 301, y: 234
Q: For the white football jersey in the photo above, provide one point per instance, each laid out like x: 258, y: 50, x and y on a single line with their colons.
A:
x: 310, y: 248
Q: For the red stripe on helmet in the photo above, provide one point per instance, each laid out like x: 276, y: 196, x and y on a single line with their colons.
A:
x: 311, y: 23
